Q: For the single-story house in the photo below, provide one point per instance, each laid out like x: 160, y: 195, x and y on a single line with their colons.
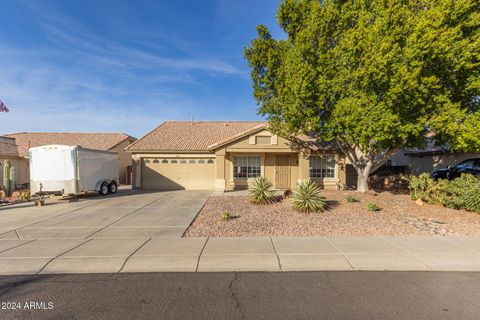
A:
x: 431, y: 157
x: 102, y: 141
x: 9, y: 151
x: 224, y: 155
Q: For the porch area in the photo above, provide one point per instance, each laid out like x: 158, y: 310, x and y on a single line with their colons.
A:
x: 284, y: 169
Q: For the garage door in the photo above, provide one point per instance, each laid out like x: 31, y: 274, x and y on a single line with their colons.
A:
x: 175, y: 173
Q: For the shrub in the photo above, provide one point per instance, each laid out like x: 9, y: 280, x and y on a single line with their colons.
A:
x: 425, y: 188
x: 226, y: 216
x: 25, y: 195
x: 307, y: 197
x: 260, y: 191
x: 463, y: 193
x: 372, y: 206
x: 351, y: 198
x: 460, y: 193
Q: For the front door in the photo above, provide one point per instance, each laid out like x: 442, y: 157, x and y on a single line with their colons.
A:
x: 282, y: 174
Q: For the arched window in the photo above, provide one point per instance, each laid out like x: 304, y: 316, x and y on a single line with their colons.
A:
x: 164, y: 161
x: 156, y: 161
x: 183, y: 161
x: 173, y: 161
x: 210, y: 161
x: 191, y: 161
x: 147, y: 161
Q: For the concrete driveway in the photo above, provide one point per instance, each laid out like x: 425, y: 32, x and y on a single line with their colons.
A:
x: 129, y: 214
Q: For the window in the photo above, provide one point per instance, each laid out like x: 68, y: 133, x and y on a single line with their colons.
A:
x: 173, y: 161
x: 156, y: 161
x: 263, y: 139
x: 191, y: 161
x: 466, y: 164
x: 183, y: 161
x: 246, y: 166
x: 201, y: 161
x: 147, y: 161
x: 322, y: 167
x: 210, y: 161
x: 164, y: 161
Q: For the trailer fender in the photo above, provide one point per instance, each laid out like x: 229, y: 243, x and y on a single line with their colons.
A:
x: 99, y: 184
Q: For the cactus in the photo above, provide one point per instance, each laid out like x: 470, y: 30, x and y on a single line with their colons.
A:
x: 6, y: 177
x: 13, y: 179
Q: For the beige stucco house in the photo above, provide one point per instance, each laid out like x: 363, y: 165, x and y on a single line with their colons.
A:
x: 427, y: 159
x: 102, y: 141
x: 9, y: 151
x: 224, y: 155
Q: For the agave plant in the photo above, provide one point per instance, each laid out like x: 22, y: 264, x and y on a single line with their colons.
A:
x: 307, y: 197
x: 260, y: 191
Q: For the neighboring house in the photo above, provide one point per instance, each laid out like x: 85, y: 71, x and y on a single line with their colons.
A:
x: 223, y: 155
x: 102, y: 141
x: 9, y: 151
x: 426, y: 160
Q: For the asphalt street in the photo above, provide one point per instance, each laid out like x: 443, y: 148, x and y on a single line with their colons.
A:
x: 290, y: 295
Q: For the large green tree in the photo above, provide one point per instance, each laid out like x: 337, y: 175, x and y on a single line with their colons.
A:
x: 372, y: 76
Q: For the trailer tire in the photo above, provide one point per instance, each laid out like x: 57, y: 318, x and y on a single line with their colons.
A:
x: 112, y: 187
x: 104, y: 189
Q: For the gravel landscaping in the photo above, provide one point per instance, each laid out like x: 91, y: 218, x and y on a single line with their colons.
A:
x: 398, y: 216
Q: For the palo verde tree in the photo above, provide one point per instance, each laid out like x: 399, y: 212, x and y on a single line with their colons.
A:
x: 372, y: 76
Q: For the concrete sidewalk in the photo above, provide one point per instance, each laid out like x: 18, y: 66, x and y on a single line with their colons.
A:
x: 239, y: 254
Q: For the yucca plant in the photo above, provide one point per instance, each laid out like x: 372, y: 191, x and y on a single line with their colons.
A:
x: 260, y: 191
x: 307, y: 197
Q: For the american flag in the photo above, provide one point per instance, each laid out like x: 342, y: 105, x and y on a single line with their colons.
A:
x: 3, y: 107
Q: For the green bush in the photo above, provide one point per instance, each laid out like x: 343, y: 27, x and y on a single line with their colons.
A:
x: 226, y: 216
x: 372, y: 206
x: 260, y: 191
x: 351, y: 198
x: 460, y: 193
x: 25, y: 195
x: 307, y: 197
x: 463, y: 193
x: 425, y: 188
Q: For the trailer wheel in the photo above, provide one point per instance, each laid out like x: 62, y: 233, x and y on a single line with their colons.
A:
x: 103, y: 189
x: 112, y: 187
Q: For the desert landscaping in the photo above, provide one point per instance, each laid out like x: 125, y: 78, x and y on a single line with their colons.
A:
x: 398, y: 215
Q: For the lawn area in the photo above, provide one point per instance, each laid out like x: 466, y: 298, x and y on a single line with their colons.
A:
x: 398, y: 216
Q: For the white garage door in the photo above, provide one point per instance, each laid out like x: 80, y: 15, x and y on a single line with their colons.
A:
x: 175, y: 173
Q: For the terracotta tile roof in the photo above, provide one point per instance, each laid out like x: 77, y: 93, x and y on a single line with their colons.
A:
x: 8, y: 148
x: 101, y: 141
x: 187, y: 136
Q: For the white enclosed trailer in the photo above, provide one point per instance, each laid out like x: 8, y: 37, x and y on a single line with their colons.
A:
x: 69, y: 170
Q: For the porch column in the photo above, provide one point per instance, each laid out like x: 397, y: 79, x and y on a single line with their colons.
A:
x: 303, y: 167
x: 341, y: 171
x: 220, y: 170
x: 136, y: 172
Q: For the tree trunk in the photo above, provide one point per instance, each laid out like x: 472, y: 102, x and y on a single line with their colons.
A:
x: 364, y: 163
x: 362, y: 179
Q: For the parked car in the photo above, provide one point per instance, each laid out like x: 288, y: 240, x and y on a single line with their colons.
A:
x: 471, y: 166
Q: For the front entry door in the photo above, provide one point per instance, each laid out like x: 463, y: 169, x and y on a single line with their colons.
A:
x: 282, y: 174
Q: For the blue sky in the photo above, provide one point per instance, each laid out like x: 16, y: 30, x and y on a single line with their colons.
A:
x: 126, y: 65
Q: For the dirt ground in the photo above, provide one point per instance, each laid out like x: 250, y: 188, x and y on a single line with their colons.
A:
x: 398, y: 216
